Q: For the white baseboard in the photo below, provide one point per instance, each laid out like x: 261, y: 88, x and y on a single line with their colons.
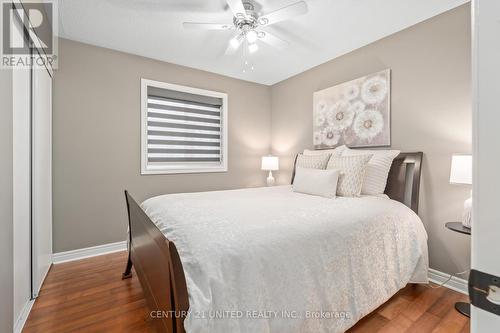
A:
x: 23, y: 316
x: 455, y: 283
x: 88, y: 252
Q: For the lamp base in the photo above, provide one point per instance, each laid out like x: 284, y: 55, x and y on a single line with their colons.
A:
x: 270, y: 179
x: 467, y: 214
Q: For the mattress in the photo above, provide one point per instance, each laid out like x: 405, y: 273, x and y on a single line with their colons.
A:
x: 273, y: 260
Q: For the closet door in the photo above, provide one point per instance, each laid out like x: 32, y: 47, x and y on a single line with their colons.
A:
x: 42, y: 176
x: 21, y: 80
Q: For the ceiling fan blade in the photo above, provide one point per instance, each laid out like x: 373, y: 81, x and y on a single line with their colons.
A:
x: 207, y: 26
x: 284, y: 13
x: 237, y: 8
x: 274, y: 41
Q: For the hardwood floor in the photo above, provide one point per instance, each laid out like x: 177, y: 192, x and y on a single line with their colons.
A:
x: 89, y: 296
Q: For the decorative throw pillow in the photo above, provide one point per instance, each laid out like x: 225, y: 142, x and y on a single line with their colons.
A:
x: 316, y: 182
x: 312, y: 161
x: 352, y: 171
x: 377, y: 169
x: 337, y: 151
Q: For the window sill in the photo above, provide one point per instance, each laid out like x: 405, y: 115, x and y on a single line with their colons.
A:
x: 181, y: 171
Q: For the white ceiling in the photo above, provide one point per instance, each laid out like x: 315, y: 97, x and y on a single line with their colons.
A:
x: 153, y: 28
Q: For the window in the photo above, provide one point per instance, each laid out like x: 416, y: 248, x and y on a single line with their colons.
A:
x: 184, y: 130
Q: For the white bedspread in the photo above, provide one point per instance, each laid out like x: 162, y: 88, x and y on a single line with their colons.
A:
x: 280, y: 259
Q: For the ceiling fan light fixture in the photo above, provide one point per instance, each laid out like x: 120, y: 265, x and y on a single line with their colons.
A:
x: 252, y: 48
x: 248, y: 22
x: 263, y: 21
x: 235, y: 42
x: 251, y: 36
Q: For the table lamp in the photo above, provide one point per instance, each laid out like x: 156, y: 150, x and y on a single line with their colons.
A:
x: 461, y: 173
x: 270, y: 163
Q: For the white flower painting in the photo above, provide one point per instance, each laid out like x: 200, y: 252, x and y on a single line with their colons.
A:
x: 340, y: 115
x: 368, y: 124
x: 354, y: 113
x: 374, y: 90
x: 330, y: 136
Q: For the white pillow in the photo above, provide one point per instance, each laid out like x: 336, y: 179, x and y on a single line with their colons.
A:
x: 377, y: 170
x: 316, y: 182
x: 337, y: 151
x: 312, y: 161
x: 352, y: 172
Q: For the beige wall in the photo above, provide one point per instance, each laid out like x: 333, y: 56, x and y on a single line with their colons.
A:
x: 431, y: 112
x: 96, y: 135
x: 6, y: 219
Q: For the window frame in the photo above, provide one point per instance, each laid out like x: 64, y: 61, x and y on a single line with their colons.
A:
x: 199, y: 167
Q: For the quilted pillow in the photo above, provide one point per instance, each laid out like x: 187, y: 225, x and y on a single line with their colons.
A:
x: 352, y: 171
x: 312, y: 161
x: 377, y: 169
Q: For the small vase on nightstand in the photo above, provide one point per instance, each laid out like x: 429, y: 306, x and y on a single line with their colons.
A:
x: 461, y: 173
x: 467, y: 214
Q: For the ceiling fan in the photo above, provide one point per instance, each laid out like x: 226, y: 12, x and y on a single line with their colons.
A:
x: 248, y: 24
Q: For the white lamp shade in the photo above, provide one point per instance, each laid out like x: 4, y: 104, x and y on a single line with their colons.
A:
x: 461, y: 169
x: 270, y: 163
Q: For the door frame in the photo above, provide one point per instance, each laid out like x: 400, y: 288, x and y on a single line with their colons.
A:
x: 485, y: 15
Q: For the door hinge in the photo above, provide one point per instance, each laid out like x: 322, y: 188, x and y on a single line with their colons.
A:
x: 484, y: 291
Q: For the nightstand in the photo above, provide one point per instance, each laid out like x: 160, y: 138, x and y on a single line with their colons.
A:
x: 462, y: 307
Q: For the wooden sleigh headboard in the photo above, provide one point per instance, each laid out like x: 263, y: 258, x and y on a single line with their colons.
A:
x: 403, y: 183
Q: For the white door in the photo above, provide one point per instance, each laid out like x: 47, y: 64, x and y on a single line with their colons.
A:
x: 42, y: 176
x: 21, y: 88
x: 486, y: 107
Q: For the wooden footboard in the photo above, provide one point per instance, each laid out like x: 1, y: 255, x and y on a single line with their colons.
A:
x: 159, y: 269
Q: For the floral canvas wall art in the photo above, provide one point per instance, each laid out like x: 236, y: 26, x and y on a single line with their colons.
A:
x: 355, y: 113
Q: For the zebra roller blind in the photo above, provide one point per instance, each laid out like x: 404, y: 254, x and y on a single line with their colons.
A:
x: 184, y: 129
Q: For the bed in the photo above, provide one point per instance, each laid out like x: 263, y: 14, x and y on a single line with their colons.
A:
x: 273, y: 260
